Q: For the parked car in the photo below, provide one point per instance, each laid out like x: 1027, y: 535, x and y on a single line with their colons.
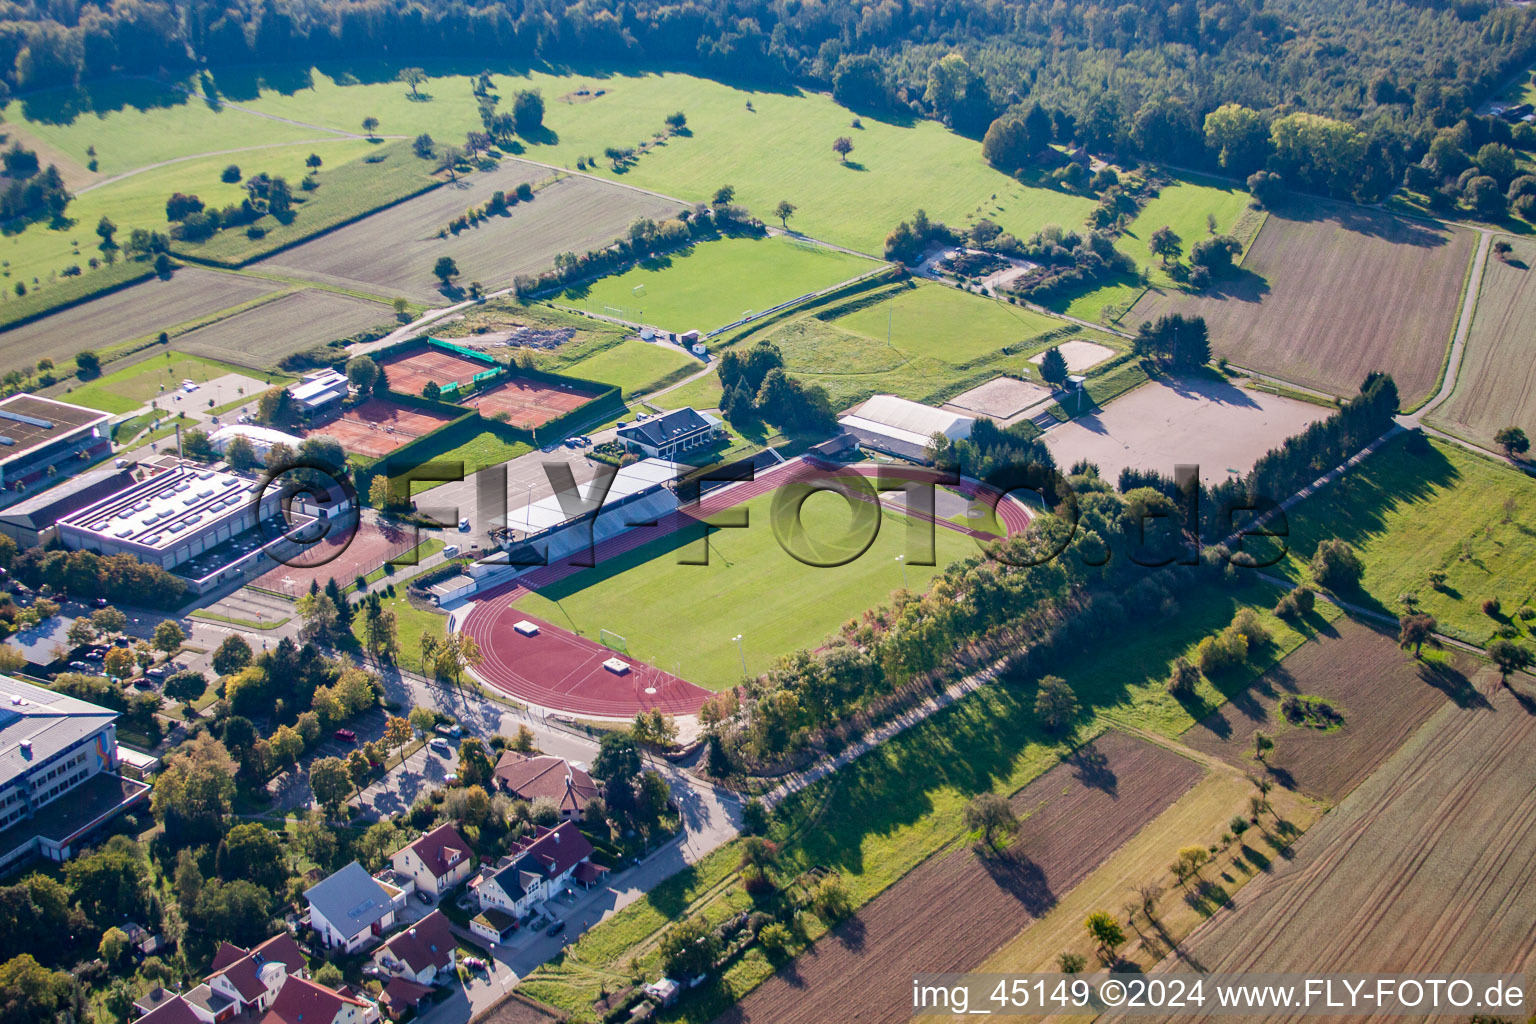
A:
x: 95, y: 655
x: 450, y: 550
x: 474, y: 963
x: 101, y: 602
x: 452, y: 779
x: 424, y: 896
x: 441, y: 746
x: 158, y: 672
x: 555, y: 929
x: 80, y: 666
x: 346, y: 735
x: 463, y: 525
x: 451, y: 729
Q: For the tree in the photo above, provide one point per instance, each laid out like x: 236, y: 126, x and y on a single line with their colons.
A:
x: 689, y: 949
x: 446, y: 270
x: 114, y: 945
x: 231, y: 174
x: 528, y: 111
x: 32, y: 994
x: 1183, y: 678
x: 232, y: 654
x: 118, y: 662
x: 1485, y: 197
x: 1508, y: 657
x: 1216, y: 254
x: 1263, y: 743
x: 412, y: 77
x: 725, y: 195
x: 842, y: 146
x: 80, y: 632
x: 362, y: 373
x: 1053, y: 366
x: 423, y: 146
x: 449, y: 161
x: 251, y: 850
x: 1190, y: 860
x: 313, y: 161
x: 287, y: 745
x: 87, y: 363
x: 1106, y: 932
x: 169, y: 637
x: 1267, y: 189
x: 108, y: 883
x: 397, y: 731
x: 370, y: 125
x: 457, y: 652
x: 358, y: 770
x: 109, y: 620
x: 784, y: 211
x: 830, y: 900
x: 1336, y: 565
x: 106, y: 229
x: 1166, y: 244
x: 330, y: 782
x: 991, y: 815
x: 1055, y: 703
x: 186, y: 687
x: 319, y: 614
x: 1415, y: 630
x: 1238, y: 137
x: 1513, y: 441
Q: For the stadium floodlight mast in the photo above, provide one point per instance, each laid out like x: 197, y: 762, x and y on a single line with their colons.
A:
x: 743, y: 652
x: 903, y: 560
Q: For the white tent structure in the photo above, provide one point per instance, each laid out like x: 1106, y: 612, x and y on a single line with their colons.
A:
x: 901, y: 427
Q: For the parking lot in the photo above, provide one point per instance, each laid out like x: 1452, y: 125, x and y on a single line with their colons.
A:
x: 396, y: 791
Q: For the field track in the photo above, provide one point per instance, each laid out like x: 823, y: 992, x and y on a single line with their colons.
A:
x: 567, y: 677
x: 1328, y: 293
x: 955, y: 908
x: 1427, y: 867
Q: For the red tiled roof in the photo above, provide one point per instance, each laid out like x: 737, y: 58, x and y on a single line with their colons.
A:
x: 243, y: 969
x: 586, y: 872
x: 558, y: 849
x: 544, y: 775
x: 283, y: 947
x: 438, y: 847
x: 427, y: 943
x: 304, y: 1002
x: 174, y: 1011
x: 403, y: 992
x: 228, y: 953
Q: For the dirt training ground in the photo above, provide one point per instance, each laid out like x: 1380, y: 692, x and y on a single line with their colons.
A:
x: 1329, y: 293
x: 528, y: 403
x: 378, y: 427
x: 1429, y: 866
x: 1180, y: 421
x: 1383, y: 693
x: 341, y: 556
x: 409, y: 373
x: 957, y: 907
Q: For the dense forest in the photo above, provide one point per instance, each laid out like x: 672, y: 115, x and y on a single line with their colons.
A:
x: 1385, y: 63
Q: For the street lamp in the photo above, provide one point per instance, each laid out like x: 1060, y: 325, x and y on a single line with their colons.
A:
x: 903, y: 560
x: 743, y: 652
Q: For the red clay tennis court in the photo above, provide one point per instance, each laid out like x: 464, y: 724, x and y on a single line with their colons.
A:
x: 340, y: 555
x: 529, y: 403
x: 409, y: 373
x: 379, y: 426
x: 557, y: 669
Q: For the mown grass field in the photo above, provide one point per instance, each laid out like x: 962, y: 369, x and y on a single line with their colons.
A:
x: 134, y: 122
x: 1398, y: 279
x: 779, y: 148
x: 39, y: 251
x: 1496, y: 383
x: 126, y: 389
x: 635, y: 366
x: 138, y: 311
x: 939, y: 322
x: 943, y: 341
x: 1418, y: 506
x: 751, y: 586
x: 714, y: 283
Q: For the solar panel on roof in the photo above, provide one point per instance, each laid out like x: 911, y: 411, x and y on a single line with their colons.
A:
x: 7, y: 440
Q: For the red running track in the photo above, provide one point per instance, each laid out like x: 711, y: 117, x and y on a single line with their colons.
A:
x: 559, y: 670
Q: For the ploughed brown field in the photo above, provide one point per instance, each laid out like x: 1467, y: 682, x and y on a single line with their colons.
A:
x: 954, y: 909
x: 1428, y: 867
x: 1382, y: 692
x: 1328, y: 293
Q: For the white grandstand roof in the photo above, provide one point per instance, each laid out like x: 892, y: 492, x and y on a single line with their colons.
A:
x: 548, y: 513
x: 158, y: 512
x: 255, y: 434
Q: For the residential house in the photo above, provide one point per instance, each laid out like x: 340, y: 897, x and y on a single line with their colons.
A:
x: 351, y: 908
x: 493, y: 925
x: 437, y: 861
x: 420, y: 952
x: 539, y: 869
x: 401, y: 995
x: 529, y: 777
x: 305, y: 1002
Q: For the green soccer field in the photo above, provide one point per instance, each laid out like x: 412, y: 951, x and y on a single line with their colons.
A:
x: 946, y: 323
x: 682, y: 618
x: 716, y: 283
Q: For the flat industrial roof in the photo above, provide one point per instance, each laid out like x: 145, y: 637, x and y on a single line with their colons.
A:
x: 29, y: 421
x: 158, y: 512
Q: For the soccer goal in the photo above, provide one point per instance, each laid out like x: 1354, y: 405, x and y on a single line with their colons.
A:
x: 614, y: 641
x: 638, y: 290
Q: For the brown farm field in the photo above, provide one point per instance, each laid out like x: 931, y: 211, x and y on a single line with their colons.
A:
x: 1429, y: 866
x: 1328, y: 293
x: 955, y: 908
x: 134, y: 312
x: 393, y: 252
x: 262, y: 336
x: 1381, y: 691
x: 1496, y: 383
